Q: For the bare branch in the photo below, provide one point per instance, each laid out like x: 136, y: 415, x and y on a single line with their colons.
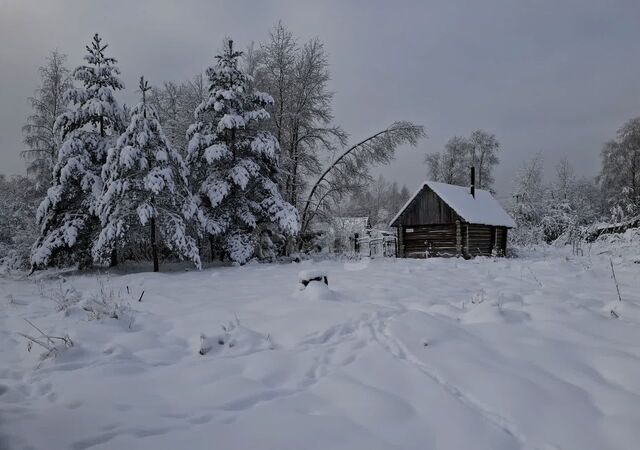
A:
x: 378, y: 148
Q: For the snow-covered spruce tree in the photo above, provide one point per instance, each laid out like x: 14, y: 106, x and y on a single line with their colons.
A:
x: 145, y: 189
x: 234, y: 161
x: 67, y: 215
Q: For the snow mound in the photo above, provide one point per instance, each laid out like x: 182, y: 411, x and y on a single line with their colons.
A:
x: 623, y: 245
x: 315, y: 291
x: 310, y: 274
x: 625, y: 310
x: 234, y: 340
x: 500, y: 310
x: 487, y: 313
x: 357, y: 266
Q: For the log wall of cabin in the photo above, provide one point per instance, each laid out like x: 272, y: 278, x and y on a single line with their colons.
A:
x: 400, y: 242
x: 439, y: 240
x: 427, y: 209
x: 444, y: 240
x: 501, y: 240
x: 481, y: 239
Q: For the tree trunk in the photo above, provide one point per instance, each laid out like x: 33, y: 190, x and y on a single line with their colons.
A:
x: 114, y: 258
x: 294, y: 190
x: 154, y: 245
x: 212, y: 247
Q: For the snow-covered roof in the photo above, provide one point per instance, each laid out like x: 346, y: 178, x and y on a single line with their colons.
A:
x: 483, y: 209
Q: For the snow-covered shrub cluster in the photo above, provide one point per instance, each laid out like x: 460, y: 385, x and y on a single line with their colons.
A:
x: 569, y: 210
x: 234, y: 339
x: 63, y: 294
x: 18, y: 203
x: 545, y: 213
x: 108, y: 303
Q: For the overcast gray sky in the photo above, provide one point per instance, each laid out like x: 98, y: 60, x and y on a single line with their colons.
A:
x: 557, y: 77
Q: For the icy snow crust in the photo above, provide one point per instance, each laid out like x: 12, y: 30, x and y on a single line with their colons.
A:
x: 482, y: 210
x: 407, y: 354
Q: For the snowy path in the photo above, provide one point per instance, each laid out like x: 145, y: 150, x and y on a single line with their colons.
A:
x: 438, y: 354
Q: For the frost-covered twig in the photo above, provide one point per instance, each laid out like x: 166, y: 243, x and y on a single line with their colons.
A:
x: 39, y: 330
x: 534, y: 276
x: 48, y: 344
x: 31, y: 339
x: 11, y: 300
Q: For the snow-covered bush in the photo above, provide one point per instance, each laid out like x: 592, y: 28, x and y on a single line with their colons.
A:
x: 525, y: 236
x: 545, y: 214
x: 18, y: 231
x: 108, y: 303
x: 265, y: 248
x: 63, y: 294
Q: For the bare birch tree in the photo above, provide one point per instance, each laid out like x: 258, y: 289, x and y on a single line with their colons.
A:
x: 484, y: 149
x: 48, y: 103
x: 452, y: 165
x: 620, y: 173
x: 297, y: 77
x: 175, y: 104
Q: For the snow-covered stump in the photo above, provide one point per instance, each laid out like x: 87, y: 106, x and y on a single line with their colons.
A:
x: 307, y: 276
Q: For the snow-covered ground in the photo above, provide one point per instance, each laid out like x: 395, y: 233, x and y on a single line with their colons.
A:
x: 394, y: 354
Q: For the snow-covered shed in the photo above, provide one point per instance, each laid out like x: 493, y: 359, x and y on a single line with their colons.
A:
x: 446, y: 220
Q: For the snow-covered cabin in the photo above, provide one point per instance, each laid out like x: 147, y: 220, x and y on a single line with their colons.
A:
x: 446, y: 220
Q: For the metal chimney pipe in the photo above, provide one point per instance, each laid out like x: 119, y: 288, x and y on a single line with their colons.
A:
x: 473, y: 182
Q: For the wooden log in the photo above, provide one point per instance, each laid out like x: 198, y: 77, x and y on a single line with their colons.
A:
x: 307, y: 276
x: 306, y: 282
x: 458, y: 238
